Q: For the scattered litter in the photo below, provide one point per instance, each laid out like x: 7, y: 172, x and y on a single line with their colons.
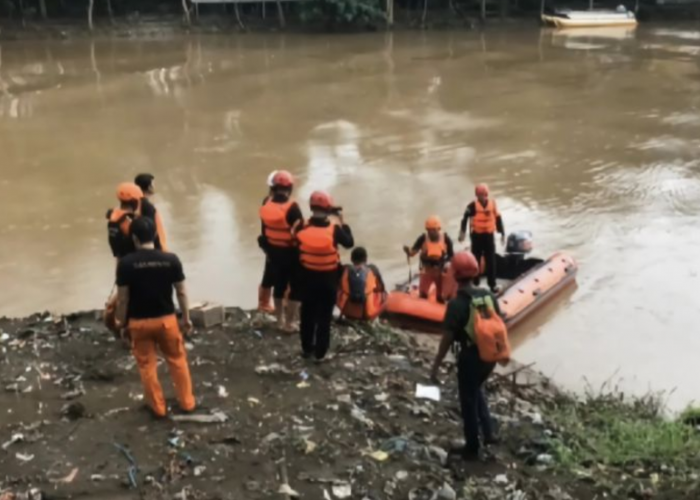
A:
x: 273, y: 436
x: 501, y: 479
x: 360, y: 416
x: 401, y: 475
x: 199, y: 470
x: 218, y: 417
x: 253, y: 401
x: 272, y: 369
x: 303, y: 385
x: 342, y: 490
x: 69, y: 478
x: 430, y: 392
x: 16, y: 438
x: 309, y: 446
x: 445, y: 493
x: 545, y: 459
x: 379, y: 455
x: 73, y: 394
x: 222, y: 392
x: 22, y: 457
x: 97, y: 478
x: 285, y: 489
x: 381, y: 398
x: 345, y: 398
x: 304, y: 375
x: 4, y: 337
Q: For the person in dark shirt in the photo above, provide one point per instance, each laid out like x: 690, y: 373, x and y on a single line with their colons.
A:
x: 436, y: 250
x: 147, y: 184
x: 485, y: 221
x: 279, y: 216
x: 146, y: 279
x: 318, y: 244
x: 472, y: 371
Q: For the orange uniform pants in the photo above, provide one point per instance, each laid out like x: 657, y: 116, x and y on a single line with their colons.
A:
x: 146, y: 336
x: 430, y: 275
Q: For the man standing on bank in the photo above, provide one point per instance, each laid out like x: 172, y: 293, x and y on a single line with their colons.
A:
x: 146, y: 280
x: 320, y: 271
x: 147, y: 183
x: 485, y: 221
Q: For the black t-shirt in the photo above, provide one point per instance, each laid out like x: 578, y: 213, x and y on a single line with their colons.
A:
x: 148, y: 209
x: 150, y: 276
x: 458, y: 310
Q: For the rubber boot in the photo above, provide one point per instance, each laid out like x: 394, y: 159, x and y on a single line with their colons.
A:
x: 279, y: 313
x: 264, y: 297
x: 292, y: 316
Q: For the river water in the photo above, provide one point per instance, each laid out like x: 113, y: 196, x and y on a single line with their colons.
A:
x: 590, y: 139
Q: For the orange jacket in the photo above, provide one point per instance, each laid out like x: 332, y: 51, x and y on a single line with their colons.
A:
x: 484, y: 221
x: 373, y: 294
x: 276, y: 228
x: 434, y: 251
x: 317, y: 250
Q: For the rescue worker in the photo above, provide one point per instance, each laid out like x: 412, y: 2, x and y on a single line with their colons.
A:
x: 119, y: 222
x: 120, y: 219
x: 318, y: 243
x: 147, y: 184
x: 472, y: 371
x: 436, y: 250
x: 265, y: 288
x: 146, y: 279
x: 280, y: 215
x: 485, y: 221
x: 362, y: 292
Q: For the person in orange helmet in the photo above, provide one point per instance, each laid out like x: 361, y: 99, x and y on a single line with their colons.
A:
x: 436, y: 250
x: 119, y: 219
x: 472, y: 371
x: 279, y: 216
x: 485, y: 221
x: 148, y: 186
x: 318, y: 242
x: 146, y: 279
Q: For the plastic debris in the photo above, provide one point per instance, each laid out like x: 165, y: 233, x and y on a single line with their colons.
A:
x: 501, y: 479
x: 285, y: 489
x: 69, y: 478
x: 379, y: 455
x: 430, y: 392
x: 342, y: 490
x: 24, y: 457
x: 272, y: 369
x: 16, y: 438
x: 360, y: 416
x: 222, y: 392
x: 218, y: 417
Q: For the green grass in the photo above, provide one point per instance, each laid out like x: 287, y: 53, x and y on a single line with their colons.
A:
x: 613, y: 431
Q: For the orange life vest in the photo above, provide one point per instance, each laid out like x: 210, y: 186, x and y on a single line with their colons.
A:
x: 360, y: 296
x: 274, y: 218
x: 487, y: 330
x: 317, y: 250
x: 433, y: 252
x: 484, y: 220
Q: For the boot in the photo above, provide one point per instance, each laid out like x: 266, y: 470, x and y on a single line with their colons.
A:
x: 292, y: 316
x: 279, y: 314
x: 264, y: 296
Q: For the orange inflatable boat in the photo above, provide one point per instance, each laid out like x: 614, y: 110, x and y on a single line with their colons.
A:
x: 520, y: 298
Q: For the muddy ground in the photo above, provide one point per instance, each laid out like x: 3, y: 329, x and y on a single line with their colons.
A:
x: 73, y: 418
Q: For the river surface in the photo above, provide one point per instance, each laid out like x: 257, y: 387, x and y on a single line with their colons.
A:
x: 590, y: 139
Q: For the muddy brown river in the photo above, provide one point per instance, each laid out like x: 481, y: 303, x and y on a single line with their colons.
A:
x: 590, y: 139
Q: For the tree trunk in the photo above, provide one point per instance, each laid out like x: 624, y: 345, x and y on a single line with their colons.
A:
x: 186, y: 11
x: 425, y: 13
x: 238, y: 16
x: 91, y: 7
x: 42, y: 9
x: 483, y: 10
x: 21, y: 12
x: 110, y: 12
x: 280, y: 13
x: 390, y: 13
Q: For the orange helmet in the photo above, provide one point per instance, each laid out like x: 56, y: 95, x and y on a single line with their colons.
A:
x: 464, y: 266
x: 433, y: 222
x: 283, y: 179
x: 321, y: 199
x: 481, y: 190
x: 128, y: 191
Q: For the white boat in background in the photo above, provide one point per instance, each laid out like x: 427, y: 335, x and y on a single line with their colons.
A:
x: 590, y: 18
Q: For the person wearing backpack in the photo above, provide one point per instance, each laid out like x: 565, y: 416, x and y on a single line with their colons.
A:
x: 148, y: 186
x: 474, y: 328
x: 362, y: 292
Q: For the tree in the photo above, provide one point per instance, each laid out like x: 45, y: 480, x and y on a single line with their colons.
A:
x: 42, y: 9
x: 91, y: 7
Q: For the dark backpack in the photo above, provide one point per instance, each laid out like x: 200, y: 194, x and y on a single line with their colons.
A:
x: 357, y: 281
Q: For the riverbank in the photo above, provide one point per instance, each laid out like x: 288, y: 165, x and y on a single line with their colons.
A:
x: 73, y: 424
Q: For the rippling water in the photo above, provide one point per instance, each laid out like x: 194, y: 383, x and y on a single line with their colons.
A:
x: 591, y: 139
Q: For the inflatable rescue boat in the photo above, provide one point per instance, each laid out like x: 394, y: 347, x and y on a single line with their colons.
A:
x: 530, y: 283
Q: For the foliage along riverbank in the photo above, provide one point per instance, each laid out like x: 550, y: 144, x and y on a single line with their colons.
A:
x: 278, y: 427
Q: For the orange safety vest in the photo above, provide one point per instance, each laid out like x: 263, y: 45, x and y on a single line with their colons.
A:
x: 484, y: 220
x: 317, y: 250
x: 373, y: 297
x: 434, y: 251
x: 274, y: 218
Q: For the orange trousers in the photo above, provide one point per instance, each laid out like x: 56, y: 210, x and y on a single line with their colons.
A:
x: 146, y: 336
